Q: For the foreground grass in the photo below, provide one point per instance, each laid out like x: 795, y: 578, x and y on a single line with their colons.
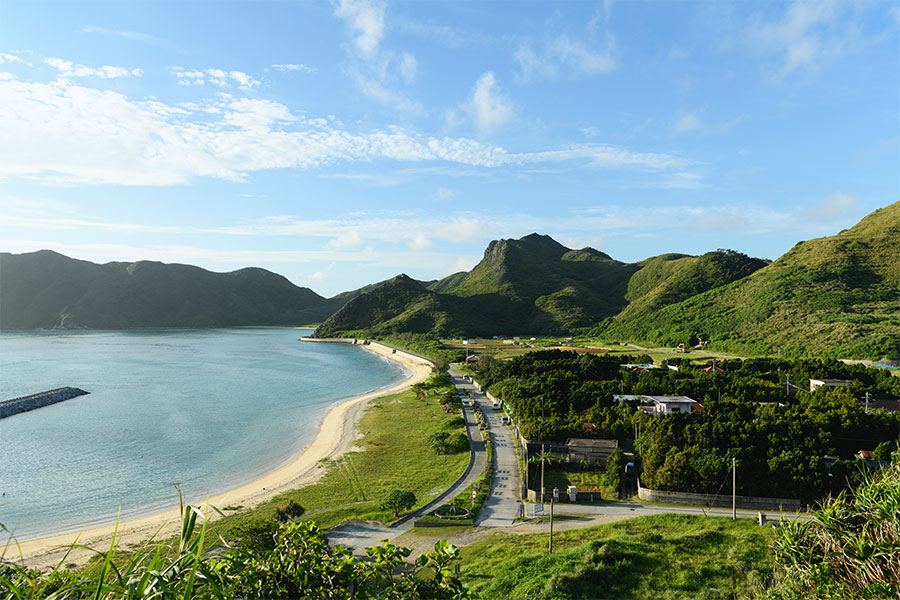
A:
x: 659, y: 557
x: 393, y: 455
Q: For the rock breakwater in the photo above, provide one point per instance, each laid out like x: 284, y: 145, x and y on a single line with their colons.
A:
x: 26, y: 403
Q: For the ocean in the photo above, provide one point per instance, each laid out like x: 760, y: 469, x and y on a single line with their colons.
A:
x: 206, y: 410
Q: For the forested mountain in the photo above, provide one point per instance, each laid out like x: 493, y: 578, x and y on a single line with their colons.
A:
x: 45, y: 289
x: 533, y: 285
x: 837, y: 295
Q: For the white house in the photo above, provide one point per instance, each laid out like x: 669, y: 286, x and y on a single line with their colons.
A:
x: 662, y: 405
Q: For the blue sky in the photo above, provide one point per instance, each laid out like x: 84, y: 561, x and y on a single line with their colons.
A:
x: 342, y: 143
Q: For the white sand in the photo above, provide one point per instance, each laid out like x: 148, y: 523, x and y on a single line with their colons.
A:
x: 336, y: 436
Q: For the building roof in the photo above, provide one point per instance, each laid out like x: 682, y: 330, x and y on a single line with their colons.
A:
x: 832, y: 381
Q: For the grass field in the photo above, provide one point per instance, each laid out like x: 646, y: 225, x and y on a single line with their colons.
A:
x: 501, y: 350
x: 393, y: 454
x: 659, y: 557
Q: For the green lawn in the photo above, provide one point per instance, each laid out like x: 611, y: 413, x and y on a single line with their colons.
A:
x: 655, y: 557
x: 393, y: 454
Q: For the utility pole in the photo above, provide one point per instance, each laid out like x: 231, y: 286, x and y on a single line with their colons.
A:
x: 867, y: 402
x: 733, y: 489
x: 551, y: 526
x: 543, y: 460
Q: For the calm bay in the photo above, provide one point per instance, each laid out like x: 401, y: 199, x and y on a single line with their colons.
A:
x: 207, y: 410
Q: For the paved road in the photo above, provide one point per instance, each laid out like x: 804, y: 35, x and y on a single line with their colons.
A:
x: 503, y: 503
x: 358, y: 535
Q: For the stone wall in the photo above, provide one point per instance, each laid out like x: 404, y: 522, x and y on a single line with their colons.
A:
x: 26, y: 403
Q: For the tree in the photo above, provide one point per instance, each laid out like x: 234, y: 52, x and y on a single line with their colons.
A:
x: 398, y: 501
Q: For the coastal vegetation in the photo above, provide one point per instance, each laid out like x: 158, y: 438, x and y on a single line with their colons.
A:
x: 849, y: 550
x: 298, y: 564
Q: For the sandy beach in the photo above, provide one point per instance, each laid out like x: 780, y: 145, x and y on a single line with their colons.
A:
x: 337, y: 434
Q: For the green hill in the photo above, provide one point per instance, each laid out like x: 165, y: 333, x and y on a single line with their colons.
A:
x: 831, y: 296
x: 532, y: 285
x: 46, y: 290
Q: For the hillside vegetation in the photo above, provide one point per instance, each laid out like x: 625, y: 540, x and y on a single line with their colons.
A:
x: 533, y: 285
x: 832, y: 296
x: 48, y: 290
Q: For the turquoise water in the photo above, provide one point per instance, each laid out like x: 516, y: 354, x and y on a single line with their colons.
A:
x: 206, y: 409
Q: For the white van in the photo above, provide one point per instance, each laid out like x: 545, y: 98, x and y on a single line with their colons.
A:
x: 505, y: 420
x: 496, y: 405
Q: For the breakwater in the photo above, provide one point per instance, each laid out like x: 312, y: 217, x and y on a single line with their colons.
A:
x: 26, y: 403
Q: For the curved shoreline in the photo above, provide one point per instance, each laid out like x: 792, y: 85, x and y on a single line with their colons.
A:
x: 337, y: 433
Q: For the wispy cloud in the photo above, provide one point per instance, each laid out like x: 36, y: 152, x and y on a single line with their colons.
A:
x: 293, y: 67
x: 69, y: 69
x: 562, y: 55
x: 12, y: 58
x: 807, y: 35
x: 65, y: 132
x: 128, y: 35
x: 378, y: 72
x: 688, y: 122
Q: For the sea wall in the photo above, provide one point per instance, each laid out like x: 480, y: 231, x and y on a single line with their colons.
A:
x: 379, y: 347
x: 26, y: 403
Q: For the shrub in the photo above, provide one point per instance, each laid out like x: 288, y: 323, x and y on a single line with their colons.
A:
x: 454, y: 423
x: 457, y: 442
x: 289, y: 511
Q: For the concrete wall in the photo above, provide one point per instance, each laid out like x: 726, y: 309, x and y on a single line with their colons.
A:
x: 719, y: 501
x: 379, y: 347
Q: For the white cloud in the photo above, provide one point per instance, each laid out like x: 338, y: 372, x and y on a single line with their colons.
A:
x: 12, y: 58
x: 365, y: 18
x: 562, y: 55
x: 71, y: 133
x: 69, y: 69
x: 835, y: 206
x: 808, y: 35
x: 377, y: 72
x: 442, y: 194
x: 5, y: 76
x: 419, y: 243
x: 688, y: 122
x: 347, y: 239
x: 407, y: 67
x: 487, y: 105
x: 294, y: 67
x: 217, y: 77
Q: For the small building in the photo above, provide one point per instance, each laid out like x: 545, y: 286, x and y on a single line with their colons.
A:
x: 662, y: 405
x: 595, y: 452
x: 815, y: 384
x: 713, y: 369
x: 472, y: 359
x: 638, y: 366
